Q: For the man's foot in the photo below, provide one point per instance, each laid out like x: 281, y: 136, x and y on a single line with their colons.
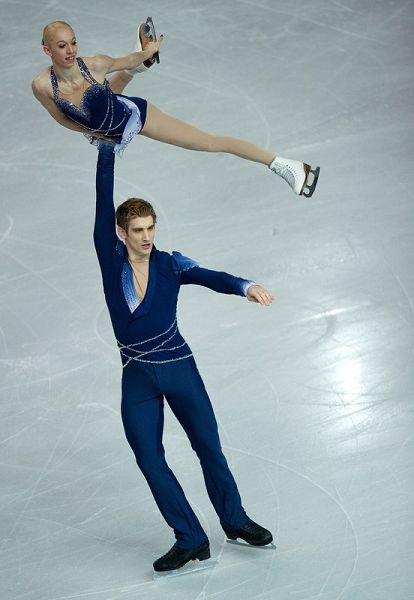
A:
x: 296, y: 174
x: 252, y: 533
x: 177, y: 557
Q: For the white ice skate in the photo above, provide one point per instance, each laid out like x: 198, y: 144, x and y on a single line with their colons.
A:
x: 145, y: 34
x: 296, y: 174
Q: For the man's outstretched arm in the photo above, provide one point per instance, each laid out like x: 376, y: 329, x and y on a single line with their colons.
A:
x: 219, y: 281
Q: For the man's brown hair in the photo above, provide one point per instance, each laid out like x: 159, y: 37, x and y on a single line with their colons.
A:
x: 132, y: 208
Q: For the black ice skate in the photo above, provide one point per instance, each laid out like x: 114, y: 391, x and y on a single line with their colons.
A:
x: 253, y: 535
x: 174, y: 561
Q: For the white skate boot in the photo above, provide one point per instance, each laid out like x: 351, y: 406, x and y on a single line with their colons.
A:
x: 145, y: 34
x: 296, y: 174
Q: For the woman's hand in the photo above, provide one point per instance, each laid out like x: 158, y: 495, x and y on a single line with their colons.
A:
x: 153, y: 47
x: 257, y: 293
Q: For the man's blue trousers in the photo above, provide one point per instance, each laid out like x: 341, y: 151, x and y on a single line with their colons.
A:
x: 145, y: 386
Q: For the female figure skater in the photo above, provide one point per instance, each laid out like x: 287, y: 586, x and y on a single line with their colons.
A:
x: 77, y: 95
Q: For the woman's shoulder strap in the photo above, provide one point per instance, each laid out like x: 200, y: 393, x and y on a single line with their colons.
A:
x: 85, y: 71
x: 54, y: 83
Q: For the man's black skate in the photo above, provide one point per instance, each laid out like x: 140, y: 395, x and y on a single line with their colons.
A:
x: 252, y: 533
x: 177, y: 557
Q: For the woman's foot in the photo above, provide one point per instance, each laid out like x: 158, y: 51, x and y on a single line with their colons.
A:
x: 142, y: 39
x: 296, y: 174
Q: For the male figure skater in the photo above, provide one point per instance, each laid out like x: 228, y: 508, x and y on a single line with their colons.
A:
x: 141, y: 286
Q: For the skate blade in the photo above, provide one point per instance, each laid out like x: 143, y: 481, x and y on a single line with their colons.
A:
x: 309, y: 189
x: 202, y: 565
x: 149, y: 32
x: 270, y: 546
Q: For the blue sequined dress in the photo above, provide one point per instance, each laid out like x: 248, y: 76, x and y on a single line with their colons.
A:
x: 101, y: 111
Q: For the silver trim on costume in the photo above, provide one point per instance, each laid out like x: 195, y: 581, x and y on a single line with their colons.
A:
x: 137, y: 355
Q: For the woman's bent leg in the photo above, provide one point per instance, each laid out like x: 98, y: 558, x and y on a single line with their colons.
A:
x: 164, y: 128
x: 119, y: 81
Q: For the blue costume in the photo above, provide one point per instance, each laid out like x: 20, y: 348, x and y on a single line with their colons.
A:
x: 158, y: 364
x: 101, y: 111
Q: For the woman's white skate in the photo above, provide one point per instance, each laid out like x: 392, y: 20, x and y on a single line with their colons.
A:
x: 145, y: 33
x: 296, y: 174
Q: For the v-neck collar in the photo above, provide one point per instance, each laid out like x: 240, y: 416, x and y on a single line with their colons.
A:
x: 136, y: 306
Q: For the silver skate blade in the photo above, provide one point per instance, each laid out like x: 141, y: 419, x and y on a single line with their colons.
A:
x: 149, y: 32
x: 311, y: 188
x: 201, y: 565
x: 270, y: 546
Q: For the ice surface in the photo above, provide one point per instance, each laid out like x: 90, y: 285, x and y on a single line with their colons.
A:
x: 314, y: 395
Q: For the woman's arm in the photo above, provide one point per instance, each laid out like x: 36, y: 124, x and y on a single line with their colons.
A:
x: 101, y: 64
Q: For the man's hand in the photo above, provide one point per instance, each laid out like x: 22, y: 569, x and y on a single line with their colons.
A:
x: 258, y: 294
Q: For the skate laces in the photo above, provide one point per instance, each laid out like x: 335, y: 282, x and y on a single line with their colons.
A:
x: 286, y: 172
x: 289, y: 176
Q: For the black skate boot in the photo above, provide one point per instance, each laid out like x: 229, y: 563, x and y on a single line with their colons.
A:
x: 252, y: 533
x: 177, y: 557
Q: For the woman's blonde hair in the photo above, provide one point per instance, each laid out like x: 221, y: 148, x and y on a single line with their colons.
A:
x: 49, y: 29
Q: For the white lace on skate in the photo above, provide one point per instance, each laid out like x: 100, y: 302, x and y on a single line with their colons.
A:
x: 292, y: 171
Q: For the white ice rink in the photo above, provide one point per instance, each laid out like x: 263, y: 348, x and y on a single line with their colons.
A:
x: 314, y: 395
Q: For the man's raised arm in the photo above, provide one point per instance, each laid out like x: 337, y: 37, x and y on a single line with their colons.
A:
x: 104, y: 235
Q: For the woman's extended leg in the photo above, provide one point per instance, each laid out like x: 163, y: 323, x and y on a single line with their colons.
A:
x: 164, y: 128
x: 160, y: 126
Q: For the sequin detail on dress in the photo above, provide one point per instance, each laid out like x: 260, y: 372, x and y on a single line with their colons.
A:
x: 100, y: 110
x: 183, y: 263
